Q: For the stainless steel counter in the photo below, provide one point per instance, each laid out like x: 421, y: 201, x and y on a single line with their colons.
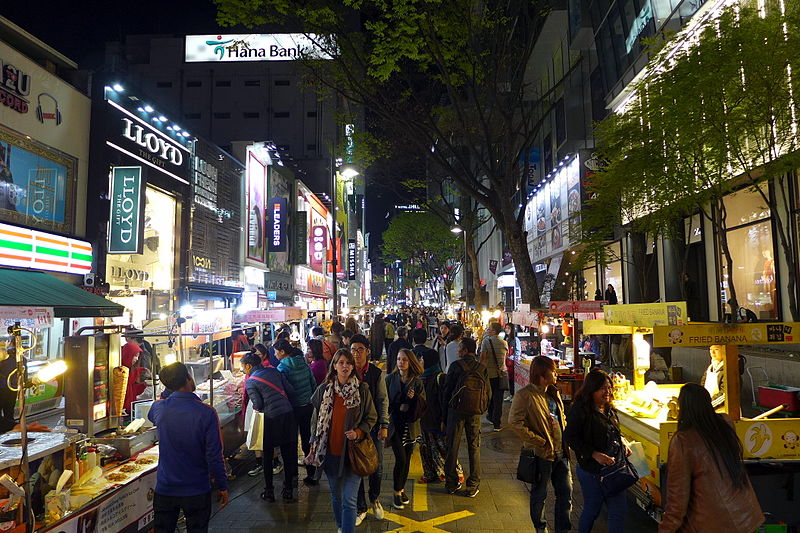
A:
x: 39, y: 445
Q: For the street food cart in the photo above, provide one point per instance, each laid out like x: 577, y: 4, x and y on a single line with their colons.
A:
x: 646, y: 411
x: 771, y: 446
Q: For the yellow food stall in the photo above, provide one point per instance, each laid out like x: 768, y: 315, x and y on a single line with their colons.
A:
x: 648, y: 411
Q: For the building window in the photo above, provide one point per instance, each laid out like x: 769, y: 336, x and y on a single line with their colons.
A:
x: 753, y: 255
x: 284, y: 83
x: 163, y: 84
x: 222, y: 83
x: 252, y: 83
x: 311, y: 114
x: 251, y: 114
x: 311, y: 147
x: 222, y: 115
x: 281, y: 114
x: 191, y: 116
x: 194, y: 83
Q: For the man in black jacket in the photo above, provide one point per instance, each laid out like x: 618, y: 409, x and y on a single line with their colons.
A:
x: 395, y: 346
x: 373, y: 376
x: 455, y: 420
x: 425, y: 355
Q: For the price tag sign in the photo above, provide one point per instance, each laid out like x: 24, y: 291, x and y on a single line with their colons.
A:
x: 31, y: 317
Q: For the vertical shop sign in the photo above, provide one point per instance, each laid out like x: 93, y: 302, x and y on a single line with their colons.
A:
x: 126, y: 222
x: 277, y: 235
x: 351, y: 259
x: 319, y: 245
x: 256, y: 184
x: 300, y: 241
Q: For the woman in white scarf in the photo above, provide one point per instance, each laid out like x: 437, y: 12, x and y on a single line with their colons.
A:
x: 343, y: 412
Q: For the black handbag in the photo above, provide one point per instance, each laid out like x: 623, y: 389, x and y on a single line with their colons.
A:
x: 617, y: 477
x: 527, y: 468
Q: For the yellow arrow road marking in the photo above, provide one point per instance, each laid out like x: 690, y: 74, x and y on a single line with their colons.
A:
x: 409, y: 525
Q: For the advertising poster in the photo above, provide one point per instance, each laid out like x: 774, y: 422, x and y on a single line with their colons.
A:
x: 256, y: 186
x: 280, y: 187
x: 36, y: 184
x: 556, y: 212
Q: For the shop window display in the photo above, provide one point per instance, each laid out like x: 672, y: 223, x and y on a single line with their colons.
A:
x: 753, y: 269
x: 143, y: 283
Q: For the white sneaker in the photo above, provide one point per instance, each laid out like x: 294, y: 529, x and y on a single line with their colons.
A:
x: 360, y: 518
x: 377, y: 509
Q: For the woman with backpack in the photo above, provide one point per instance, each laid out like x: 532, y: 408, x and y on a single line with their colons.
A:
x: 407, y: 402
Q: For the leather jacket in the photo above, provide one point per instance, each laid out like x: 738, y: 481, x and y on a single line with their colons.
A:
x: 699, y: 498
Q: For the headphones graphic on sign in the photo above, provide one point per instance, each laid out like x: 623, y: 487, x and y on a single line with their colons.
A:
x: 41, y: 115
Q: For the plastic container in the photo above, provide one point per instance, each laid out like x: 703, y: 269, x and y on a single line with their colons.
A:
x: 775, y: 395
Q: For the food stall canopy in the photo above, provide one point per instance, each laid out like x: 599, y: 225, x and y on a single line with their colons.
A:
x: 26, y: 288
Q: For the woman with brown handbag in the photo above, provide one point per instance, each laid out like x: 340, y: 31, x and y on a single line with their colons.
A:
x: 343, y: 413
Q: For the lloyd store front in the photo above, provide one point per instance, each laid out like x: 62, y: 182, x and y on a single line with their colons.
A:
x: 148, y: 162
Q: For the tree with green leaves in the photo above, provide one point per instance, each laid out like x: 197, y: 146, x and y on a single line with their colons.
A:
x: 449, y: 76
x: 711, y: 117
x: 430, y: 253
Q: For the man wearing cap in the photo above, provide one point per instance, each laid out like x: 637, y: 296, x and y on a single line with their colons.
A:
x: 190, y: 451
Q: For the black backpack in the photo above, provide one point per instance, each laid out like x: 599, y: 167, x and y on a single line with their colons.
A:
x: 471, y: 395
x: 432, y: 418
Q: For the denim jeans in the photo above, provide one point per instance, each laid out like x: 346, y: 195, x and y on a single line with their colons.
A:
x: 593, y: 500
x: 471, y: 425
x: 344, y: 491
x: 402, y: 460
x: 374, y: 480
x: 556, y: 472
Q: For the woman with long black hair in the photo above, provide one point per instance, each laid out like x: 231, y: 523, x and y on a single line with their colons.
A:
x: 593, y: 433
x: 708, y: 489
x: 407, y: 402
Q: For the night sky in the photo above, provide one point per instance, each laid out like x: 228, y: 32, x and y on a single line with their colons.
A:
x: 80, y: 29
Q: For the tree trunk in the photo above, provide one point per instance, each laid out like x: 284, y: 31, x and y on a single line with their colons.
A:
x: 472, y: 253
x: 517, y: 240
x: 786, y: 246
x: 718, y: 219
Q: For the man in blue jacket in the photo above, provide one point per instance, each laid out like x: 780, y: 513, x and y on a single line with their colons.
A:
x: 190, y: 451
x: 293, y: 365
x: 269, y: 391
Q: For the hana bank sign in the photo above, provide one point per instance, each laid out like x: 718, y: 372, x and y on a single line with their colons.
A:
x: 253, y: 47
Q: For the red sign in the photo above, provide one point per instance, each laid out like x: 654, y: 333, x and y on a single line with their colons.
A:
x: 318, y: 248
x: 577, y: 306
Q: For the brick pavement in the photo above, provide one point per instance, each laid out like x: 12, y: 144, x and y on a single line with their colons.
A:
x: 501, y: 505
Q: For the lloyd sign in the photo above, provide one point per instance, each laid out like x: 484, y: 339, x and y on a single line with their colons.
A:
x: 126, y: 223
x: 149, y: 145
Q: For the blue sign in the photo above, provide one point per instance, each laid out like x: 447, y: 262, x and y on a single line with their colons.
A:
x: 279, y: 214
x: 272, y: 295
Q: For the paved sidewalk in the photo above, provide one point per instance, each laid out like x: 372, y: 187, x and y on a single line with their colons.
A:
x: 501, y: 505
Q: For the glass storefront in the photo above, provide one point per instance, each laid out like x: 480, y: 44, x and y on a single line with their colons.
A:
x: 752, y: 250
x: 612, y: 274
x: 144, y: 283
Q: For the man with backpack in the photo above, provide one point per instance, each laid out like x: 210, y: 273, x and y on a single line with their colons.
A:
x: 493, y: 355
x: 464, y: 398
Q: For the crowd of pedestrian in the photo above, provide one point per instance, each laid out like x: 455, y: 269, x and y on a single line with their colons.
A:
x: 337, y: 402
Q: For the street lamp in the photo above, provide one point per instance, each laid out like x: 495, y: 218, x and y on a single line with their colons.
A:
x: 458, y: 229
x: 347, y: 173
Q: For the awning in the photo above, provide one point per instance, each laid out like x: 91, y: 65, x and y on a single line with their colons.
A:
x: 29, y: 288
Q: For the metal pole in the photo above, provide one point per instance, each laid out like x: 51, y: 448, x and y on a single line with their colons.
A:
x: 23, y: 427
x: 333, y: 242
x: 466, y: 290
